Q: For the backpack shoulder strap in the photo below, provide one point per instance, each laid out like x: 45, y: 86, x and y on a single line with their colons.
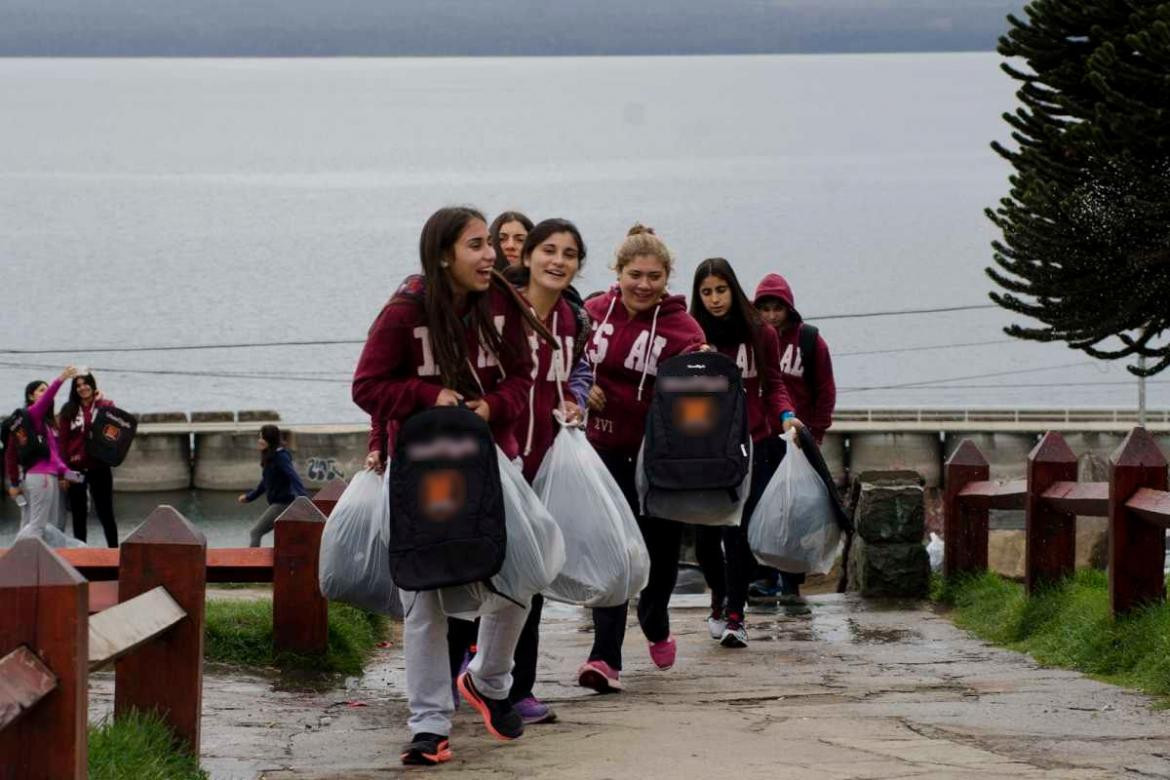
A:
x: 807, y: 338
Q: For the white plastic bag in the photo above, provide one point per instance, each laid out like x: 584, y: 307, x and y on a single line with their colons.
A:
x: 935, y: 551
x: 793, y: 527
x: 534, y: 555
x: 606, y: 561
x: 698, y: 507
x: 354, y: 565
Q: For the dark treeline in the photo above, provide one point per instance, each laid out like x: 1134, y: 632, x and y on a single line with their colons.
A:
x: 298, y: 28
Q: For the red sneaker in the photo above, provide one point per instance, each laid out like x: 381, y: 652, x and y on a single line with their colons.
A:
x: 662, y: 653
x: 599, y: 676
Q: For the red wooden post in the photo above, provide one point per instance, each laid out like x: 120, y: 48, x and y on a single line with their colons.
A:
x: 1050, y: 535
x: 300, y: 614
x: 44, y: 604
x: 329, y: 494
x: 1136, y: 548
x: 166, y: 674
x: 964, y: 528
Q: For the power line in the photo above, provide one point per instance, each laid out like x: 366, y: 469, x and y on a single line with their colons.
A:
x: 925, y: 382
x: 1011, y: 386
x: 350, y: 342
x: 208, y: 374
x: 900, y: 312
x: 925, y: 348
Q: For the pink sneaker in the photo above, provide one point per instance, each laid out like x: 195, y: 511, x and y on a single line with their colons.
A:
x: 662, y: 653
x: 599, y: 676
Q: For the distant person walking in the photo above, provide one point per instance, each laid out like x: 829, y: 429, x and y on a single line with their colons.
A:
x: 279, y: 482
x: 44, y: 483
x: 508, y: 233
x: 73, y: 426
x: 807, y: 369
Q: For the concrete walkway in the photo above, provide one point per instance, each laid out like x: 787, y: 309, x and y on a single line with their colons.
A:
x: 837, y: 689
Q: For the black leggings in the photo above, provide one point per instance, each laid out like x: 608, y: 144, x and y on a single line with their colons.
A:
x: 723, y: 552
x: 663, y: 540
x: 99, y: 482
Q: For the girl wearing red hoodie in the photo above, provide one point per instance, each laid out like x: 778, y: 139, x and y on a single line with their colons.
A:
x: 811, y: 388
x: 553, y: 253
x: 73, y: 424
x: 733, y: 326
x: 637, y: 325
x: 447, y: 336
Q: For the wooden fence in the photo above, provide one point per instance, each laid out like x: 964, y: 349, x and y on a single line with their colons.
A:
x: 147, y: 604
x: 1135, y: 501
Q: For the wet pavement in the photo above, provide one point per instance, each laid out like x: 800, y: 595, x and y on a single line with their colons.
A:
x: 835, y: 688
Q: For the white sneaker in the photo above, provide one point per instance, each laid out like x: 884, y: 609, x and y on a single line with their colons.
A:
x: 734, y: 635
x: 716, y: 624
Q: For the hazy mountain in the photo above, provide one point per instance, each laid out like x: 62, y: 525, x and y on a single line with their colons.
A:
x: 493, y: 27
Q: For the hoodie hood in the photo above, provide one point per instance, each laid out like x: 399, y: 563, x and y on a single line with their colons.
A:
x: 776, y: 286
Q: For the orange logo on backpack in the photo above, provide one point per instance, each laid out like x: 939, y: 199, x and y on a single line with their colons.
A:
x: 694, y: 415
x: 112, y: 432
x: 441, y: 494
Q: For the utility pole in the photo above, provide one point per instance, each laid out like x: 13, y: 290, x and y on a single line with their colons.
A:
x: 1142, y: 393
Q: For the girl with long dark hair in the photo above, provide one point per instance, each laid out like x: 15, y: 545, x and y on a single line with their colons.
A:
x: 734, y: 327
x: 638, y: 325
x: 454, y: 333
x: 508, y: 233
x: 73, y: 425
x: 44, y: 481
x: 279, y: 482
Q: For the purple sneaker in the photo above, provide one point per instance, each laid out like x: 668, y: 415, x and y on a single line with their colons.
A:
x: 533, y: 710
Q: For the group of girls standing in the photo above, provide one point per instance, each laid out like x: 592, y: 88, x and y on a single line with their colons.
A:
x: 66, y: 477
x: 458, y: 332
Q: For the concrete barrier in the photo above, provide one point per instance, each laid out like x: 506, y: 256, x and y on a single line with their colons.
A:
x: 921, y: 452
x: 1006, y: 453
x: 213, y: 417
x: 833, y: 451
x: 156, y: 462
x: 227, y: 460
x: 321, y: 455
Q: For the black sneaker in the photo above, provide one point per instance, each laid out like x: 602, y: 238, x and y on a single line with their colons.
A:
x: 426, y: 750
x: 499, y: 716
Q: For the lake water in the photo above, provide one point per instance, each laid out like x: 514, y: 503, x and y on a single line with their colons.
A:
x: 161, y: 202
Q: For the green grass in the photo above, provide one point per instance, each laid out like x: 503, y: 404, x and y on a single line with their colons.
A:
x: 1068, y: 625
x: 240, y: 633
x: 138, y: 747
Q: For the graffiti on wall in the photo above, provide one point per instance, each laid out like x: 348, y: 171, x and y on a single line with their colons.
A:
x: 324, y: 469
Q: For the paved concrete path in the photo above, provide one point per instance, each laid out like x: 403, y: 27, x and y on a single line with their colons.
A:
x: 838, y: 689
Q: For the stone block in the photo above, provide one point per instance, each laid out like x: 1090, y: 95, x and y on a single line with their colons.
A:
x: 899, y: 569
x: 891, y: 513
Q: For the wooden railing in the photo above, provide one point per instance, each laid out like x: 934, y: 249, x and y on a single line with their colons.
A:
x: 147, y: 603
x: 1135, y: 501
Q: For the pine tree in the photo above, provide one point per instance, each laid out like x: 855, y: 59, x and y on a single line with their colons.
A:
x: 1086, y: 226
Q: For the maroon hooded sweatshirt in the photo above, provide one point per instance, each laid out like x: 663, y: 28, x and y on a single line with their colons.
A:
x: 71, y: 434
x: 767, y: 397
x: 625, y: 354
x: 814, y: 405
x: 397, y: 376
x: 536, y: 429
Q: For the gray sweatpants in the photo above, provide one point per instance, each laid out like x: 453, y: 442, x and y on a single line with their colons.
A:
x: 428, y: 671
x: 46, y: 502
x: 265, y: 524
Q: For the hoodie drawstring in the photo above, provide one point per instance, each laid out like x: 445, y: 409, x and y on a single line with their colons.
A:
x: 649, y: 349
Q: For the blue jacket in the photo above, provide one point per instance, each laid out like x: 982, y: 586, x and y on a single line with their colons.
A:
x: 280, y: 482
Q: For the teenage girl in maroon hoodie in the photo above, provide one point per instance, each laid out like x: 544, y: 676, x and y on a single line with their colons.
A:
x: 73, y: 424
x: 734, y: 327
x: 552, y: 255
x: 637, y: 326
x: 447, y: 336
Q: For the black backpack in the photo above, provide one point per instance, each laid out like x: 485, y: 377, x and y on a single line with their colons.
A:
x: 447, y: 505
x: 697, y: 431
x: 31, y: 446
x: 110, y: 435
